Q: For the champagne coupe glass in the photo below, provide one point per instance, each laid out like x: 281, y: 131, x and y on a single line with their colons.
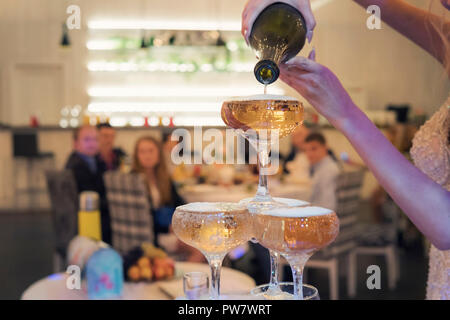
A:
x: 214, y: 228
x: 273, y: 286
x: 296, y: 233
x: 263, y: 120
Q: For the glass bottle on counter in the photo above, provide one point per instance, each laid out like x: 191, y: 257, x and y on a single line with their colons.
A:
x: 277, y: 35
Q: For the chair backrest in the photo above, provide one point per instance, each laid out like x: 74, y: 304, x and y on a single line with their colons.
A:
x: 348, y: 190
x: 63, y: 195
x: 129, y: 209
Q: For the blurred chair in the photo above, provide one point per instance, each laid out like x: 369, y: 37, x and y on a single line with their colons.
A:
x: 129, y: 209
x: 379, y: 239
x: 63, y: 195
x: 348, y: 191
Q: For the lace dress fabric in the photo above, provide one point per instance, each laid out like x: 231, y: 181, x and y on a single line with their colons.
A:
x: 431, y: 154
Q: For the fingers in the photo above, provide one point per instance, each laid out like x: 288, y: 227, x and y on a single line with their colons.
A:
x: 251, y: 11
x: 305, y: 9
x: 297, y: 82
x: 302, y: 64
x: 254, y: 7
x: 244, y: 27
x: 247, y: 24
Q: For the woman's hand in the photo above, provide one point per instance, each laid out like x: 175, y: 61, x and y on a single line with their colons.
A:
x: 319, y: 86
x: 254, y: 7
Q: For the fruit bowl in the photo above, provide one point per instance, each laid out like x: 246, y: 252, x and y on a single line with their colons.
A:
x: 148, y: 263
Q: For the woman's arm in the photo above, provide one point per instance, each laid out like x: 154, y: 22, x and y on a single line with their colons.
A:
x: 414, y: 23
x: 425, y: 202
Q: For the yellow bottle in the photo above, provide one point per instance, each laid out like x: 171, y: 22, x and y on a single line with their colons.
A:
x: 89, y: 221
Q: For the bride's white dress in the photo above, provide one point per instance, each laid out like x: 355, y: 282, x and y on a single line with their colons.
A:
x: 431, y: 154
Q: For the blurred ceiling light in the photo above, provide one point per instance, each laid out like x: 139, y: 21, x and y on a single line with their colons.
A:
x: 165, y: 121
x: 137, y: 122
x: 150, y: 24
x: 199, y: 121
x: 164, y: 25
x: 63, y: 123
x: 65, y: 41
x: 153, y: 91
x: 102, y: 45
x: 105, y: 66
x: 118, y: 121
x: 154, y: 121
x: 130, y: 107
x: 74, y: 123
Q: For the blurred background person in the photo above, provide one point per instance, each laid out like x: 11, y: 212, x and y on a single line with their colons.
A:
x: 296, y: 164
x: 323, y: 171
x: 88, y: 171
x: 112, y: 157
x: 164, y: 198
x: 168, y: 145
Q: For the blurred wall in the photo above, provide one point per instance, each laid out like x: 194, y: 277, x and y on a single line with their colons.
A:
x: 38, y: 77
x: 380, y: 67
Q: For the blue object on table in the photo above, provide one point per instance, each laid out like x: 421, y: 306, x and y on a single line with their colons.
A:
x: 104, y: 272
x: 163, y: 218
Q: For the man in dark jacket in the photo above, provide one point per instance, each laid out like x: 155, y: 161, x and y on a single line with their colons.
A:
x: 111, y: 156
x: 88, y: 171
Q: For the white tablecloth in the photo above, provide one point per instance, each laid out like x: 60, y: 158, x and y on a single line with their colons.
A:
x: 54, y: 286
x: 210, y: 193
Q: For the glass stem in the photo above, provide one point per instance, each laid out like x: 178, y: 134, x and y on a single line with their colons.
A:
x: 263, y: 164
x: 274, y: 263
x: 297, y: 265
x: 215, y: 263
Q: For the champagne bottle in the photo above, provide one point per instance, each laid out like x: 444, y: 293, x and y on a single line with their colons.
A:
x: 278, y: 34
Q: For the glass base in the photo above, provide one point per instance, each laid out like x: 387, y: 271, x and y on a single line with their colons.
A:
x: 256, y: 204
x: 270, y: 203
x: 284, y: 291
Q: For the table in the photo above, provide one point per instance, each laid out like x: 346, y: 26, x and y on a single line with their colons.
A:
x: 54, y: 287
x: 235, y: 193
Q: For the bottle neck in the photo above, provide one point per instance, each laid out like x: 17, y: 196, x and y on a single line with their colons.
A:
x: 266, y: 72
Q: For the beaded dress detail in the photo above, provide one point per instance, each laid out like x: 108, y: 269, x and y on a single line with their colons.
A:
x: 431, y: 154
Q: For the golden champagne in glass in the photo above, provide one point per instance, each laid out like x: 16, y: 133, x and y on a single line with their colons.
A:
x: 263, y: 113
x: 296, y: 233
x: 214, y: 229
x: 263, y: 119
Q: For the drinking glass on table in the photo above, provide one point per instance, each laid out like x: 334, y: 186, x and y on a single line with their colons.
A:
x: 214, y: 229
x: 286, y: 292
x: 195, y: 285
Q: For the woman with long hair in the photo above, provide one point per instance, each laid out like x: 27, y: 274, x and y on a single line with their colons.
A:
x: 163, y: 195
x: 420, y: 190
x: 164, y: 198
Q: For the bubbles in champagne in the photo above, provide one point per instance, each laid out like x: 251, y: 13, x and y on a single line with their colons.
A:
x: 263, y: 114
x: 213, y: 228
